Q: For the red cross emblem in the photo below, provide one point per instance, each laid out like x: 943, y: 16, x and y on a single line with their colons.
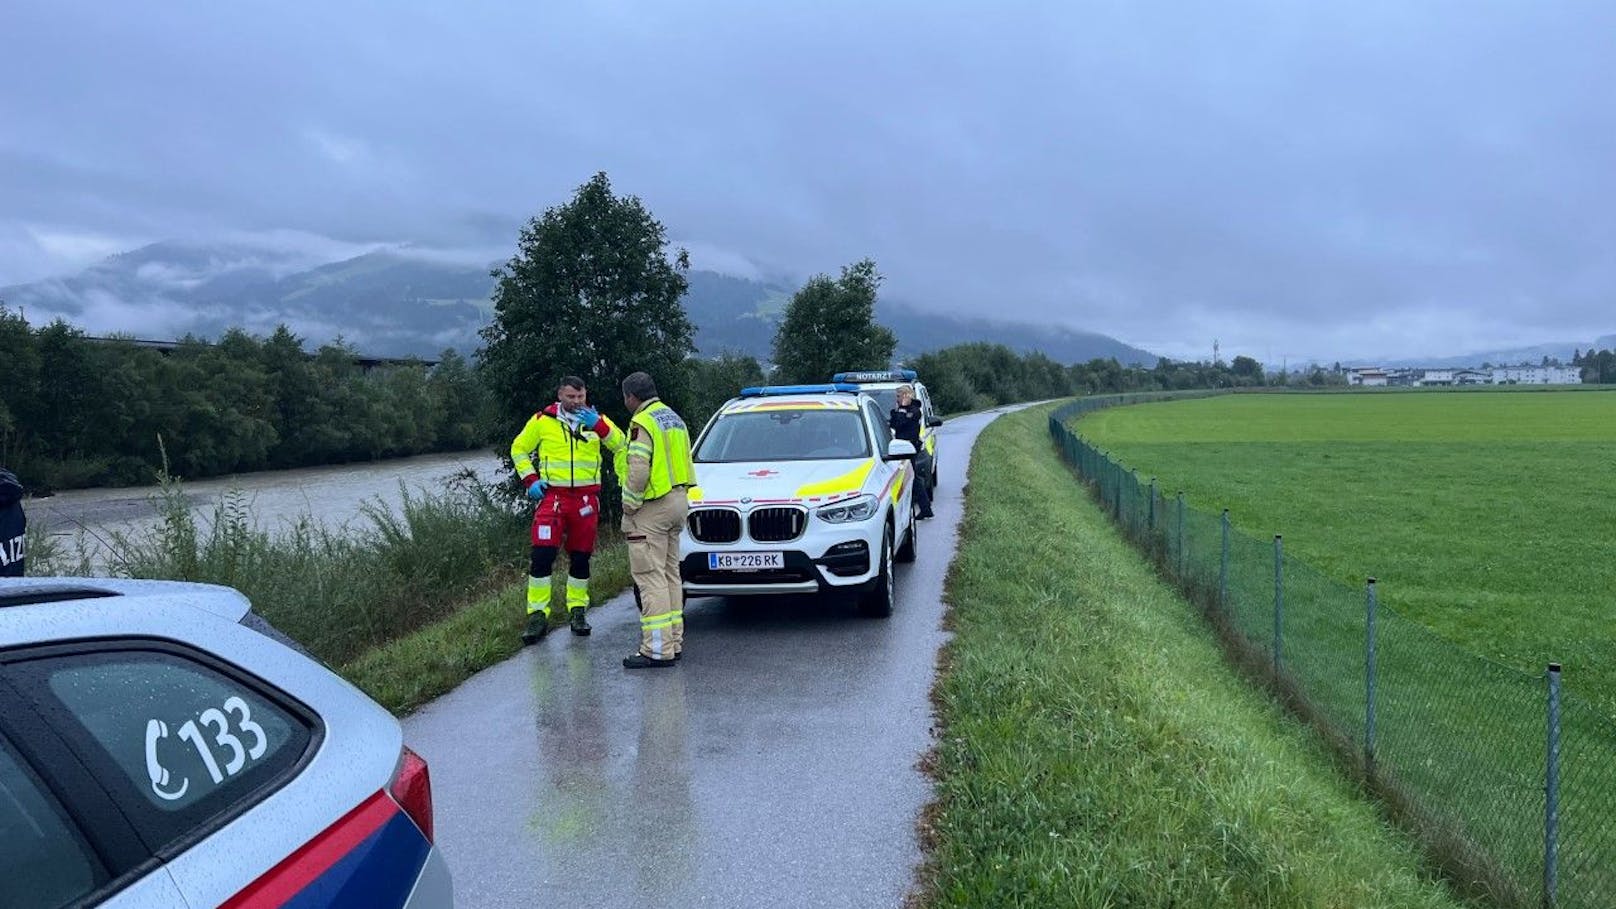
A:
x: 765, y: 472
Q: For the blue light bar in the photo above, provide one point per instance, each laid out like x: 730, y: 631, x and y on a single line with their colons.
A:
x: 761, y: 391
x: 879, y: 375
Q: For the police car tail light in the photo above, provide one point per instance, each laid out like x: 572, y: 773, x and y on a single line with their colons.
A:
x: 412, y: 789
x: 857, y: 509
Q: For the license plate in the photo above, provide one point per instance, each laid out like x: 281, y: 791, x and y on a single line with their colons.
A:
x: 745, y: 561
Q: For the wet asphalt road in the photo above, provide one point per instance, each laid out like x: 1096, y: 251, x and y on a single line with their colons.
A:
x: 775, y: 766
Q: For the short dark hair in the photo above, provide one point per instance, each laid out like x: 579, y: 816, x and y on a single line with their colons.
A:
x: 639, y: 385
x: 572, y: 382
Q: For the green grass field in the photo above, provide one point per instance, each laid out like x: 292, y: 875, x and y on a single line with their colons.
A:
x: 1096, y: 749
x: 1488, y: 518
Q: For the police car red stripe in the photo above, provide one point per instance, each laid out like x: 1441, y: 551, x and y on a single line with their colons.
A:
x: 370, y: 857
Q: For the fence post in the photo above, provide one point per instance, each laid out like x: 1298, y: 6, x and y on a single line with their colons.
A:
x: 1133, y: 503
x: 1116, y: 496
x: 1223, y: 565
x: 1279, y: 600
x: 1152, y: 518
x: 1181, y: 535
x: 1551, y: 795
x: 1369, y: 682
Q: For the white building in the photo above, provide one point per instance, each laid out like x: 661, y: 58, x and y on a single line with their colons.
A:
x: 1536, y: 375
x: 1369, y: 378
x: 1437, y: 377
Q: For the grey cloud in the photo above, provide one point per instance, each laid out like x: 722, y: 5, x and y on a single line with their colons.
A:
x: 1319, y: 181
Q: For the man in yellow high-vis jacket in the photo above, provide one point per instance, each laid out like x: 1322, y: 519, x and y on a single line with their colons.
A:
x: 558, y: 457
x: 657, y: 473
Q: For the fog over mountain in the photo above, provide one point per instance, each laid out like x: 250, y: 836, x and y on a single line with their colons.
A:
x: 402, y: 300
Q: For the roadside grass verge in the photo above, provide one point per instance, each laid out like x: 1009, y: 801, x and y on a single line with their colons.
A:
x: 406, y: 673
x: 406, y: 606
x: 1097, y: 750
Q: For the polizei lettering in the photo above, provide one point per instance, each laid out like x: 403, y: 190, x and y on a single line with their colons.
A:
x: 13, y: 550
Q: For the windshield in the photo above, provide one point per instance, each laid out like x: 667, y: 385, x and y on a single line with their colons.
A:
x: 785, y: 435
x: 885, y: 398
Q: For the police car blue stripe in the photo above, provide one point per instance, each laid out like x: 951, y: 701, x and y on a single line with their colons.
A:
x: 381, y: 871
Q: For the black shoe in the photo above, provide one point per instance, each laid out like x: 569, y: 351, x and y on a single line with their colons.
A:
x: 926, y: 515
x: 538, y: 625
x: 678, y: 656
x: 579, y: 626
x: 641, y: 661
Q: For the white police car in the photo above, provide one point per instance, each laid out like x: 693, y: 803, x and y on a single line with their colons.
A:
x: 883, y: 385
x: 800, y: 489
x: 162, y: 746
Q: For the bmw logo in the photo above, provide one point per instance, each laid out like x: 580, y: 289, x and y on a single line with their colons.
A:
x: 746, y: 500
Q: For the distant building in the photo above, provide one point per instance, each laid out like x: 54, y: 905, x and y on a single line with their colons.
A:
x: 1472, y: 377
x: 1536, y: 375
x: 1436, y: 377
x: 1369, y: 378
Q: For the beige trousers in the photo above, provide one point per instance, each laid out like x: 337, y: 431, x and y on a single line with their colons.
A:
x: 653, y: 559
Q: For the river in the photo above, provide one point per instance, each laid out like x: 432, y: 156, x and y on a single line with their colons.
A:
x: 333, y: 496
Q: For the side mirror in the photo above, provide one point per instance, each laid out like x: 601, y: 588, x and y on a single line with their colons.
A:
x: 934, y: 422
x: 900, y: 450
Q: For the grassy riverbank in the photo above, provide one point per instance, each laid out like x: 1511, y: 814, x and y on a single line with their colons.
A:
x: 407, y: 605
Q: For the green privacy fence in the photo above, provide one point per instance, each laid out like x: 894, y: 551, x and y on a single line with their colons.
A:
x: 1510, y: 780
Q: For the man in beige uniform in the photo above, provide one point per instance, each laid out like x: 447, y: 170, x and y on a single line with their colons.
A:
x: 657, y: 471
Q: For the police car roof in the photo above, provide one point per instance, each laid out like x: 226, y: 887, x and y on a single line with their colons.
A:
x: 225, y: 602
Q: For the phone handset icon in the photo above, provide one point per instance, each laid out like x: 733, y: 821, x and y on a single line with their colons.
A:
x: 157, y: 730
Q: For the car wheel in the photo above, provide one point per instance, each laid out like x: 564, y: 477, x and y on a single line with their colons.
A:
x: 877, y: 602
x: 906, y: 553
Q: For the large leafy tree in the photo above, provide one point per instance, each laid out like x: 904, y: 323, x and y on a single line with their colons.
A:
x: 830, y: 326
x: 590, y: 292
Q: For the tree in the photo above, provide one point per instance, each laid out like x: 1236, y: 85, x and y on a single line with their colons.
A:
x: 715, y: 381
x: 1247, y: 369
x: 830, y: 326
x: 590, y: 292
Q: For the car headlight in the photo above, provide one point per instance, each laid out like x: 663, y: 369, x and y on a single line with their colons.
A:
x: 858, y: 509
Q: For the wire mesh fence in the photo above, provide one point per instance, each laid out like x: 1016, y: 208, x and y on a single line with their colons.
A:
x: 1512, y: 790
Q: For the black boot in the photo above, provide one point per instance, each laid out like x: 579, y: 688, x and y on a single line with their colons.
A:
x: 538, y: 625
x: 579, y: 626
x: 641, y: 661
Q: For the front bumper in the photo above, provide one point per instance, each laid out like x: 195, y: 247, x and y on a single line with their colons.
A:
x: 829, y: 558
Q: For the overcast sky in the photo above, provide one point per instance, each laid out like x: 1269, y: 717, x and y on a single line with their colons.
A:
x: 1296, y: 179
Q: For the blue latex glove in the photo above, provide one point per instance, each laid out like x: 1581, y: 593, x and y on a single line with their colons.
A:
x: 536, y: 491
x: 588, y: 417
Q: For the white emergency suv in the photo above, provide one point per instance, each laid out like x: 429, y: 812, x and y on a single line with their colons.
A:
x: 883, y: 385
x: 801, y: 489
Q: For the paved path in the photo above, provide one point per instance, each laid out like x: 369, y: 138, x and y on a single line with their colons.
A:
x: 775, y: 766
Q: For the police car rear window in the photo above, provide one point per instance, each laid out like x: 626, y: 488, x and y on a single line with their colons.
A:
x: 179, y: 742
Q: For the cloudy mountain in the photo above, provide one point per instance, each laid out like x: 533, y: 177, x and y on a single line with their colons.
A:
x: 1557, y: 350
x: 400, y: 301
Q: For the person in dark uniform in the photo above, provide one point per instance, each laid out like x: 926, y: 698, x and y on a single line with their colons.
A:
x: 906, y: 419
x: 13, y: 526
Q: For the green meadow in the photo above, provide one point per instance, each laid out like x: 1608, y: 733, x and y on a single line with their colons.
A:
x: 1489, y: 518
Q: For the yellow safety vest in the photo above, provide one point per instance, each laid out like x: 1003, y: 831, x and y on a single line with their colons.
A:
x: 565, y: 457
x: 665, y: 443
